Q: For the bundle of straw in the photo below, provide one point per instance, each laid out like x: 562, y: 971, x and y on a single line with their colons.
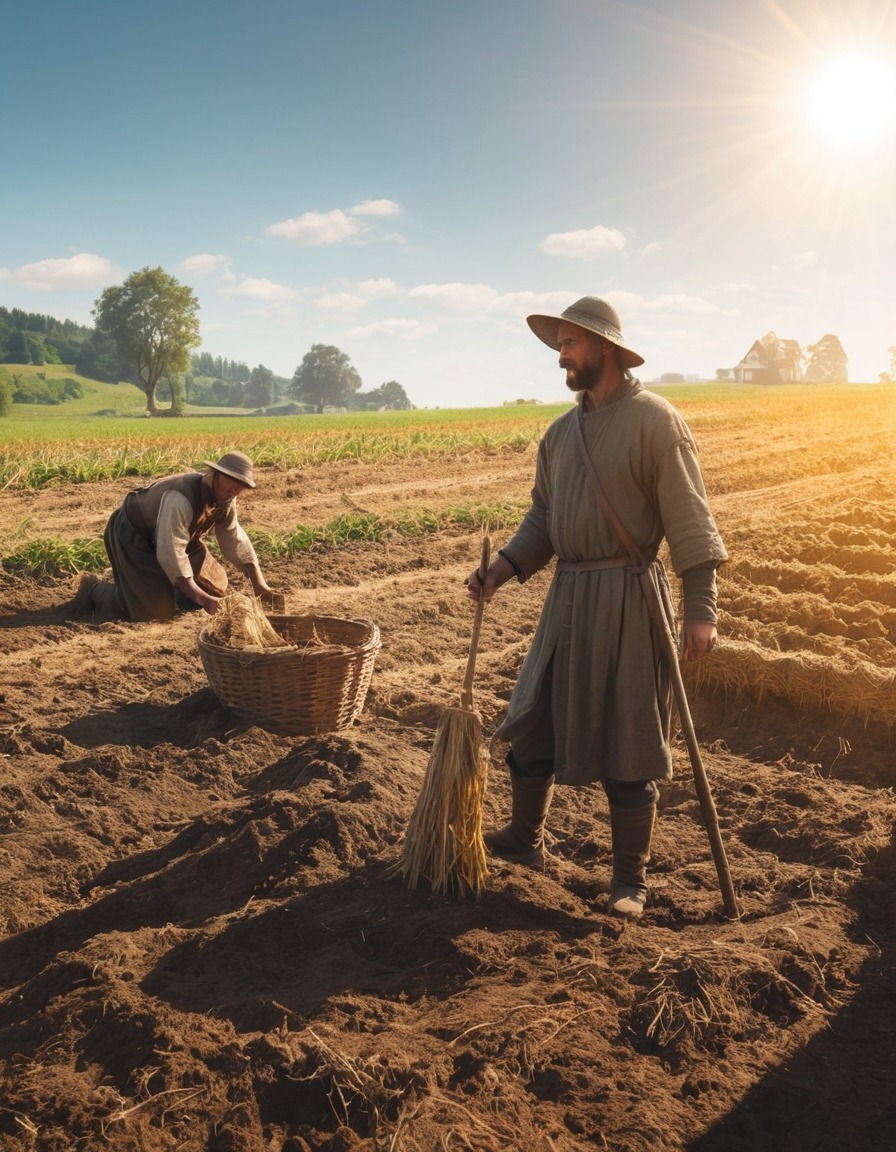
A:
x: 240, y: 622
x: 443, y: 843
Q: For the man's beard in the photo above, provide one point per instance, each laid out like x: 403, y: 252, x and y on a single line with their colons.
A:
x: 585, y: 378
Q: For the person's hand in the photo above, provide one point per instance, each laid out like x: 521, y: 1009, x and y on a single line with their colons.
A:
x: 188, y: 586
x: 499, y: 572
x: 700, y: 637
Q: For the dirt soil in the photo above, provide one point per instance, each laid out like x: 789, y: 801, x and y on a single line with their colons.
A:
x: 203, y: 945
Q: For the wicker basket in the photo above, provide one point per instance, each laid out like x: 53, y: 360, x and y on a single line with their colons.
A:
x: 297, y: 691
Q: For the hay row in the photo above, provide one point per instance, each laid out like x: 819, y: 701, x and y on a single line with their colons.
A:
x: 804, y: 679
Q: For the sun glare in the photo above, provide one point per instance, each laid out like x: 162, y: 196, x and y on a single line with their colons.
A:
x: 853, y: 100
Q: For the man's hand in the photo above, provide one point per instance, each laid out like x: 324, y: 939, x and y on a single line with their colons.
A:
x: 499, y: 572
x: 700, y: 637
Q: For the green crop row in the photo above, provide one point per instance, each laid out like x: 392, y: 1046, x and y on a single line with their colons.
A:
x: 55, y: 557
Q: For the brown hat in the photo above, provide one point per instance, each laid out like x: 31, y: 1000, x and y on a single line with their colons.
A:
x: 236, y: 466
x: 593, y: 314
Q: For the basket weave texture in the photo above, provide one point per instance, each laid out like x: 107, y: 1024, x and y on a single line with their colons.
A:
x: 319, y: 687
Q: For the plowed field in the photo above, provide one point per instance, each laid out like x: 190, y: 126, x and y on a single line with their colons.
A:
x: 202, y: 944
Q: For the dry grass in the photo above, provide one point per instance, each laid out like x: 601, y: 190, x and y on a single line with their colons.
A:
x: 443, y: 843
x: 846, y: 687
x: 707, y: 996
x: 240, y: 622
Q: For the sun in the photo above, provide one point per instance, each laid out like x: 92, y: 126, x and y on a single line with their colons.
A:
x: 853, y: 99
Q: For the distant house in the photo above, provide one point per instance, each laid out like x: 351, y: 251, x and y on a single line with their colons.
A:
x: 771, y: 361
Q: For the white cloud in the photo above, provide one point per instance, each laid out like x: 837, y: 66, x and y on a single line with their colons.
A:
x: 377, y: 289
x: 805, y: 260
x: 402, y: 329
x: 260, y: 289
x: 316, y: 228
x: 376, y: 208
x: 585, y: 244
x: 457, y: 297
x: 482, y: 298
x: 340, y: 302
x: 692, y: 305
x: 203, y: 264
x: 525, y: 303
x: 82, y: 271
x: 650, y: 249
x: 625, y: 302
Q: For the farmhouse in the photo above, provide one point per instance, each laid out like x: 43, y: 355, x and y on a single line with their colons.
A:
x: 771, y: 361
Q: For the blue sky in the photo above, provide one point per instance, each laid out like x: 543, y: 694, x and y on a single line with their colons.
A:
x: 408, y: 180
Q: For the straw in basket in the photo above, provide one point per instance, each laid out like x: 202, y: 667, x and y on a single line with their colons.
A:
x: 443, y: 843
x: 314, y: 680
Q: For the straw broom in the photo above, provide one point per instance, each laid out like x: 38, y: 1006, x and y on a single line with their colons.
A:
x: 443, y: 843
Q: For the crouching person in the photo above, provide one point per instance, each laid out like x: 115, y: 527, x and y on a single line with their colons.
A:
x: 154, y: 541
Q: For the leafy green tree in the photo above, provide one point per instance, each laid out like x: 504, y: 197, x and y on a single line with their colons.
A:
x: 5, y: 393
x: 259, y: 390
x: 394, y: 397
x: 390, y: 396
x: 17, y: 348
x: 39, y: 390
x: 99, y: 359
x: 325, y: 377
x: 152, y: 320
x: 826, y: 361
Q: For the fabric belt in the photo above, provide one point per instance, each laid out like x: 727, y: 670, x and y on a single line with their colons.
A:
x: 593, y: 565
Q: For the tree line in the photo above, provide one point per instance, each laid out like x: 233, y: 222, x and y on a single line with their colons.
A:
x: 146, y: 333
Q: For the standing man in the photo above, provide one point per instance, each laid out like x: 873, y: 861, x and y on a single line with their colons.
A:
x: 154, y: 543
x: 593, y: 699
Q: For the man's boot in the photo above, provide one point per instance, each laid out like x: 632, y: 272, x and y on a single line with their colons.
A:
x: 106, y: 601
x: 522, y: 840
x: 631, y: 829
x: 82, y: 603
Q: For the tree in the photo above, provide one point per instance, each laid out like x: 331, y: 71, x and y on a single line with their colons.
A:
x: 99, y: 359
x: 152, y: 320
x: 325, y: 377
x: 826, y: 361
x: 387, y: 397
x: 390, y: 396
x: 394, y: 396
x: 5, y: 393
x: 17, y: 348
x: 259, y: 390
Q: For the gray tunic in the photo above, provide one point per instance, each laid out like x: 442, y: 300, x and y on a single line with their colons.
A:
x: 592, y: 694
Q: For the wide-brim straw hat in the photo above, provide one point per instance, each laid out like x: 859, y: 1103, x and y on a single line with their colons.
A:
x: 592, y: 314
x: 236, y: 466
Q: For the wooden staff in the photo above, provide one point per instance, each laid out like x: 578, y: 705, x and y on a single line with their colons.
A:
x: 701, y: 781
